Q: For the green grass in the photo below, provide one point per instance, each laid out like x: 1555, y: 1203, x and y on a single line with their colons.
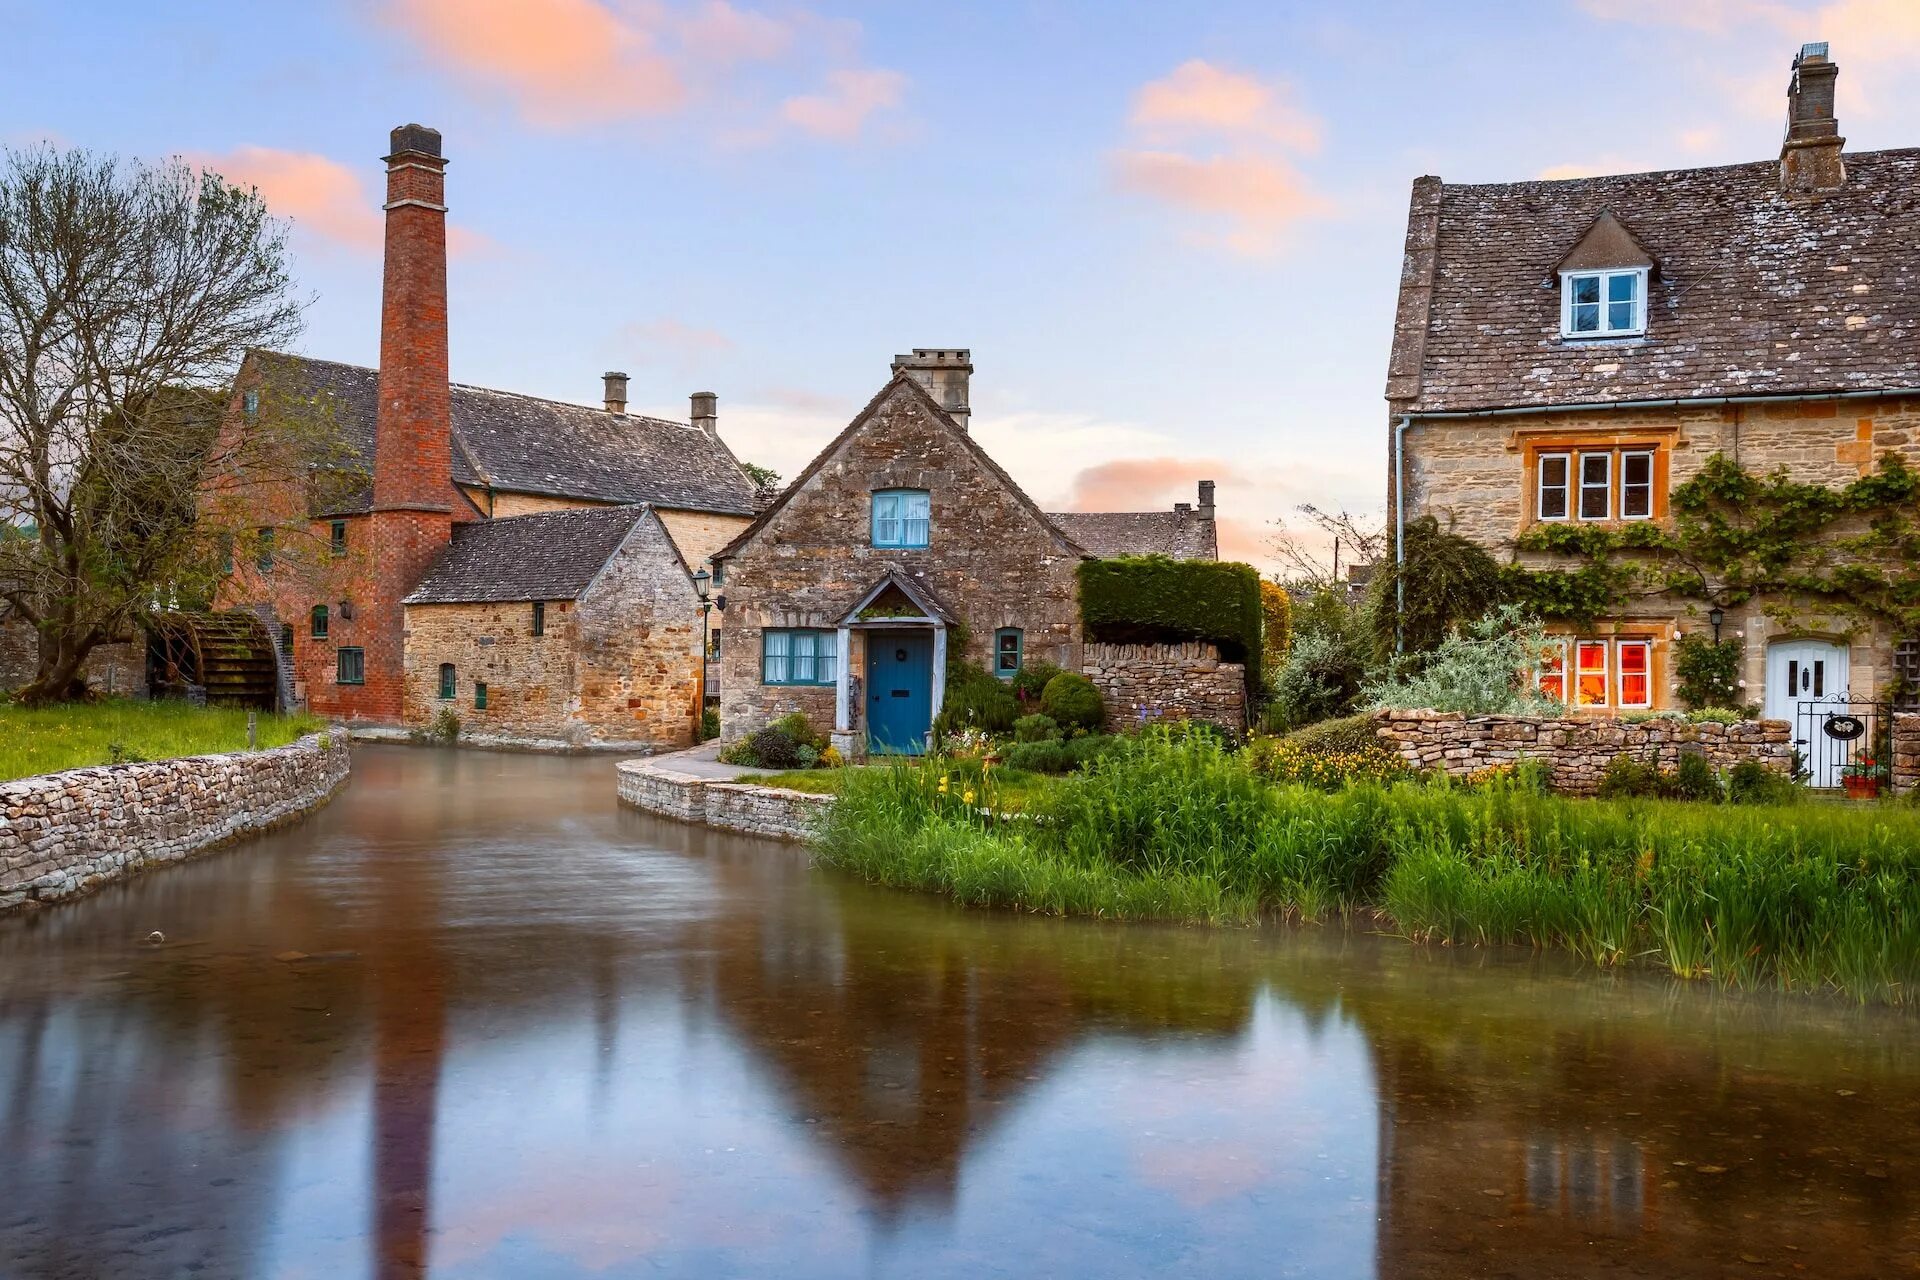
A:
x: 1014, y: 789
x: 75, y: 735
x: 1807, y: 897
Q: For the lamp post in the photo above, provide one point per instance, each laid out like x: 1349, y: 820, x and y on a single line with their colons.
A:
x: 701, y: 581
x: 1716, y: 616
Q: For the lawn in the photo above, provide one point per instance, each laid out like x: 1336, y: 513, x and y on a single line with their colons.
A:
x: 75, y: 735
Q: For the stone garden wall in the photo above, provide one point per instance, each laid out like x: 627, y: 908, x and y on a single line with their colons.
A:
x: 1906, y: 752
x: 1146, y: 682
x: 1578, y: 750
x: 732, y: 806
x: 64, y: 834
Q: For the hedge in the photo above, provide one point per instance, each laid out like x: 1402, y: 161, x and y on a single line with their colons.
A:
x: 1160, y: 600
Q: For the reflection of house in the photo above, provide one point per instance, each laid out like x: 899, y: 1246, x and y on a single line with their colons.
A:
x: 1567, y: 352
x: 424, y: 463
x: 900, y: 541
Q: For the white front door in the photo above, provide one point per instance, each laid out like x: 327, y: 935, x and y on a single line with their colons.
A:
x: 1801, y: 673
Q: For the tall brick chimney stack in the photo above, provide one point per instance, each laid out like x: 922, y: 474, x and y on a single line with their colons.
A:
x: 413, y: 494
x: 945, y: 373
x: 1810, y: 153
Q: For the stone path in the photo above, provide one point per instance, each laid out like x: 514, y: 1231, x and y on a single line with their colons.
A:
x: 703, y: 762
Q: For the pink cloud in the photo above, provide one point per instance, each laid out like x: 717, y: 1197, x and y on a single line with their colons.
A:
x: 716, y: 32
x: 1200, y: 97
x: 321, y: 196
x: 1260, y: 195
x: 851, y: 98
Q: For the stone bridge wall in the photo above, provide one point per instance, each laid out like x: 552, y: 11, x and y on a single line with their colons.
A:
x: 1578, y: 750
x: 733, y: 806
x: 65, y: 834
x: 1146, y: 682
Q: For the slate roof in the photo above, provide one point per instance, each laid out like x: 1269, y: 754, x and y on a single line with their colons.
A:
x: 549, y: 556
x: 1753, y: 292
x: 523, y: 444
x: 1184, y: 535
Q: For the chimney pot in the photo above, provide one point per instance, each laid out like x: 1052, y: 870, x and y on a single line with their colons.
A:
x: 1810, y: 153
x: 946, y: 373
x: 706, y: 412
x: 615, y: 391
x: 414, y: 139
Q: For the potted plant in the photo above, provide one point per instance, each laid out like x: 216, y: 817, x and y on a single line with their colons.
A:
x: 1862, y: 776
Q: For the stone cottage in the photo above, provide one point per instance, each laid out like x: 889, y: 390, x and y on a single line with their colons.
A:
x: 1568, y: 352
x: 901, y: 542
x: 422, y: 466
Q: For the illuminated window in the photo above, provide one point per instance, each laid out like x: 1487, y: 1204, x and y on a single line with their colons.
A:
x: 1636, y: 673
x: 1590, y: 673
x: 1553, y: 670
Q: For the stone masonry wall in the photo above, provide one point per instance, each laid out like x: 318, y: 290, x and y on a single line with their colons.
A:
x: 1578, y: 750
x: 733, y: 806
x: 1906, y: 752
x: 64, y: 834
x: 992, y: 559
x: 529, y: 678
x: 1146, y: 682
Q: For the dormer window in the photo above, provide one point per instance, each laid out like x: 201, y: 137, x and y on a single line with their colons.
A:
x: 1603, y: 304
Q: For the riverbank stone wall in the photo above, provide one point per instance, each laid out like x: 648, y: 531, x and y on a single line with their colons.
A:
x: 1143, y: 683
x: 1577, y: 750
x: 658, y: 788
x: 65, y: 834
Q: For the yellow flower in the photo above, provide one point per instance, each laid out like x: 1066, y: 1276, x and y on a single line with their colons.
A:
x: 943, y: 784
x: 966, y: 796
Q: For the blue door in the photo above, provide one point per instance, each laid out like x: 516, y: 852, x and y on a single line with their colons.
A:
x: 899, y: 691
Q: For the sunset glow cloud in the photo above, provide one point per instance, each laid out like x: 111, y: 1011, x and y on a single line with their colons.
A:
x: 1199, y: 97
x: 324, y: 199
x: 851, y: 98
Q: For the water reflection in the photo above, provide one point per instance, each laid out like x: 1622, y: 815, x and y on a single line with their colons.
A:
x: 473, y: 1020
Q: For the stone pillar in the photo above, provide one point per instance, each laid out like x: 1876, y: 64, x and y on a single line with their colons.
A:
x: 845, y: 741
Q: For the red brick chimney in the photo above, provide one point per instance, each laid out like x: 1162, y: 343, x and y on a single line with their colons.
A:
x: 413, y: 493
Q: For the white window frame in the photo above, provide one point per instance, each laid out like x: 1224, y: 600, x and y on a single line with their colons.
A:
x: 1620, y: 672
x: 1606, y: 676
x: 1566, y: 669
x: 1636, y: 453
x: 1540, y: 485
x: 1580, y: 486
x: 1606, y: 330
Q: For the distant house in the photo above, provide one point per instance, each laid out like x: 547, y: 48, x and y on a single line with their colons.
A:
x: 1567, y: 352
x: 903, y: 542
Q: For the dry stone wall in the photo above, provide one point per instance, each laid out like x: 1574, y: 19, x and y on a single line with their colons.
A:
x: 1906, y: 752
x: 733, y: 806
x: 1578, y: 750
x: 1142, y: 683
x: 65, y: 834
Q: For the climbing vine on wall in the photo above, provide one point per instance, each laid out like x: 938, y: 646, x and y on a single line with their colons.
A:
x: 1735, y: 537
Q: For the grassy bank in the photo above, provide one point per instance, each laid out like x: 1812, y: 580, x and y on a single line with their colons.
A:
x: 47, y: 739
x: 1014, y: 789
x: 1806, y: 897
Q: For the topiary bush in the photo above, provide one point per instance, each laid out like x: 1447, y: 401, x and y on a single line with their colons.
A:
x: 1037, y: 728
x: 1072, y: 701
x: 1157, y: 599
x: 975, y: 700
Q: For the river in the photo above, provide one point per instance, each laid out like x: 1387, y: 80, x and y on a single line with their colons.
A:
x: 474, y: 1019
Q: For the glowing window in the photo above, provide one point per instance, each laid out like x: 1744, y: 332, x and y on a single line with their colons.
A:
x: 1636, y: 673
x: 1590, y: 673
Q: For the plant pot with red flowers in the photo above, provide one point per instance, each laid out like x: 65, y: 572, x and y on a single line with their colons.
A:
x: 1862, y: 777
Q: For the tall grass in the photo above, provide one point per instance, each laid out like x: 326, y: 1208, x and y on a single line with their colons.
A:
x: 1801, y: 897
x: 75, y: 735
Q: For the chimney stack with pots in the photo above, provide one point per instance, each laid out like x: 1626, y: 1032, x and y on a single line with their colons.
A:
x: 614, y: 391
x: 1810, y: 153
x: 945, y: 373
x: 706, y: 412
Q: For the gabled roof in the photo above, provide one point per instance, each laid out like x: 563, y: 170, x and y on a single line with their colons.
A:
x: 1607, y: 243
x: 1759, y: 293
x: 524, y: 444
x: 914, y: 589
x: 554, y: 555
x: 899, y: 382
x: 1184, y: 535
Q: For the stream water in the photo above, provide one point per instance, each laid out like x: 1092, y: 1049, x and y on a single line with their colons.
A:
x: 474, y: 1019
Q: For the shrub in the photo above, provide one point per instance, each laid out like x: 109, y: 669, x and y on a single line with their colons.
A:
x: 738, y: 752
x: 1031, y: 680
x: 1036, y: 728
x: 1284, y: 761
x: 1348, y: 733
x: 798, y: 727
x: 1629, y: 779
x: 1717, y: 715
x: 832, y: 759
x: 1533, y: 777
x: 1693, y: 778
x: 1706, y: 672
x: 773, y: 749
x: 1154, y: 599
x: 1058, y: 755
x: 1320, y: 679
x: 709, y: 725
x: 1449, y: 580
x: 444, y: 727
x: 1072, y: 701
x: 1485, y: 671
x: 975, y: 700
x: 1276, y: 624
x: 806, y: 755
x: 1751, y: 782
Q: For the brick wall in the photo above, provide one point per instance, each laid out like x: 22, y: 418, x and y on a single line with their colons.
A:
x: 1578, y: 750
x: 991, y: 560
x: 1141, y: 683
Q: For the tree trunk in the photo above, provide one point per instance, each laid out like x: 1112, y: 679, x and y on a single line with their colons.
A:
x: 59, y: 677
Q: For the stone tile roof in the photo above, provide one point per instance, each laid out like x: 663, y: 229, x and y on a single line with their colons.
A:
x: 549, y: 556
x: 523, y: 444
x: 1753, y: 292
x: 1184, y: 535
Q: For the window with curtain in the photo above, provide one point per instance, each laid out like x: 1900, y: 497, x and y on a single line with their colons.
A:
x: 1007, y: 647
x: 795, y: 656
x: 901, y: 518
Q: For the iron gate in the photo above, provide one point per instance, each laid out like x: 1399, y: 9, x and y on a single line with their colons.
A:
x: 1831, y: 733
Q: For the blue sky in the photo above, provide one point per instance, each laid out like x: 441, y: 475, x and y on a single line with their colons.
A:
x: 1171, y: 234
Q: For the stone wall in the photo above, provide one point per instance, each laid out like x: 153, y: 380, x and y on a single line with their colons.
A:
x: 1578, y: 750
x: 119, y: 669
x: 64, y: 834
x: 529, y: 678
x: 658, y: 788
x: 1906, y: 752
x: 1146, y: 682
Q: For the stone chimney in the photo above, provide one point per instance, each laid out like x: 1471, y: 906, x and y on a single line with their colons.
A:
x: 944, y: 373
x: 413, y: 441
x: 1206, y: 499
x: 706, y: 412
x: 1810, y: 153
x: 614, y: 391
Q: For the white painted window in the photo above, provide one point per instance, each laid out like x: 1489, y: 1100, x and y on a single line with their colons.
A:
x: 1552, y: 672
x: 1596, y: 486
x: 1603, y: 304
x: 1636, y: 486
x: 1590, y: 673
x: 1635, y: 660
x: 1555, y: 483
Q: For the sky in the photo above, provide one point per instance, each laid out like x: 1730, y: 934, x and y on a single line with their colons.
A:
x: 1170, y: 234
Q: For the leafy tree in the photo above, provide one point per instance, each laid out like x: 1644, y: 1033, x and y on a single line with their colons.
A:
x: 762, y: 477
x: 1449, y: 580
x: 128, y: 294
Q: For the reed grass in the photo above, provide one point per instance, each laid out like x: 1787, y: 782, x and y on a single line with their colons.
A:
x: 37, y: 740
x: 1802, y: 898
